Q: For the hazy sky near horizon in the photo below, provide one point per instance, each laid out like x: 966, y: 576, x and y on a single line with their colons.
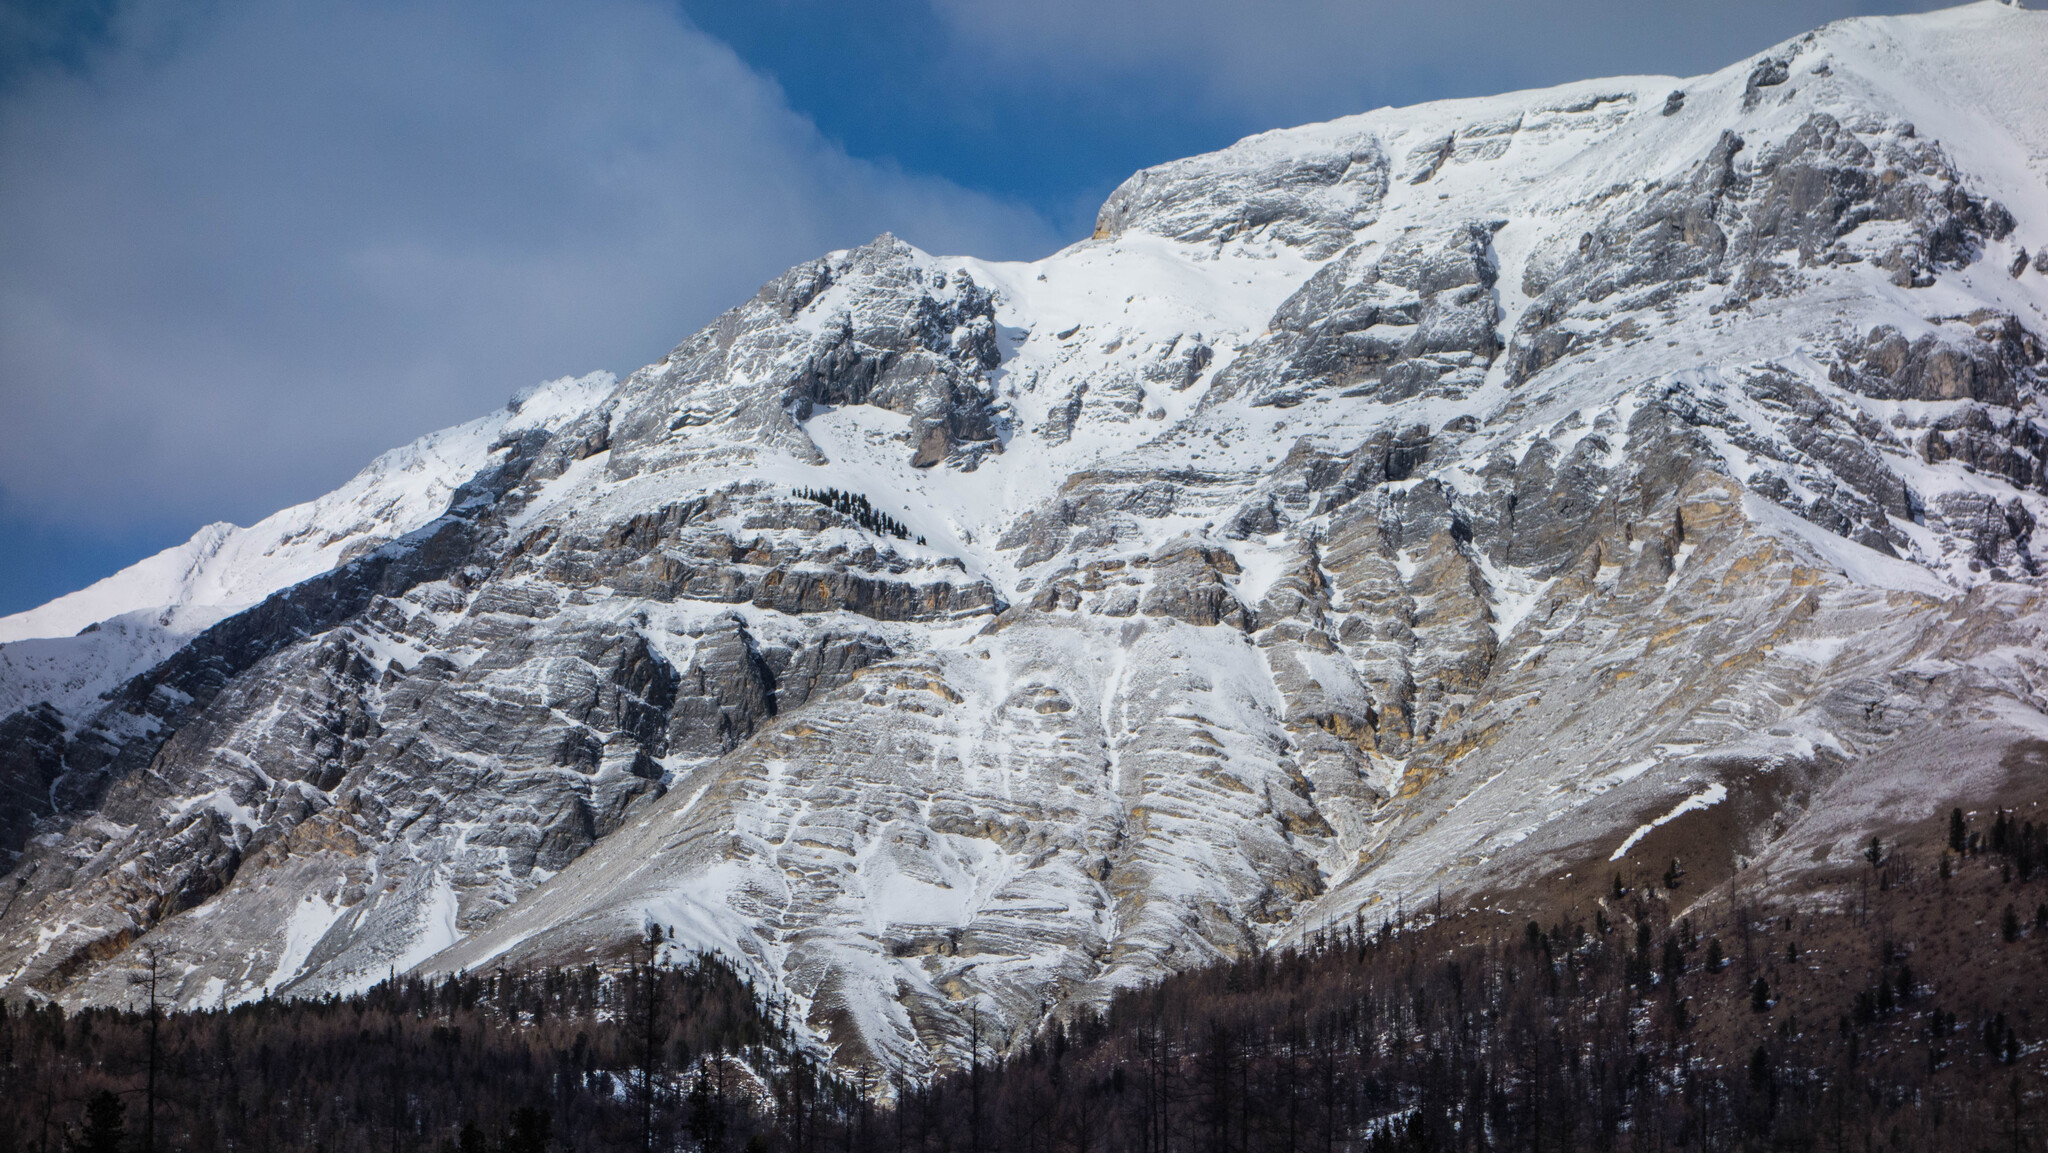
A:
x: 246, y: 246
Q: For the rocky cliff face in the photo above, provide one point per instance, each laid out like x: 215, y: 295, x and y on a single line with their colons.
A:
x: 1439, y: 504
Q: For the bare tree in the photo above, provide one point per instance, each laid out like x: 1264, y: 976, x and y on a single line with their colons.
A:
x: 650, y: 1049
x: 146, y: 980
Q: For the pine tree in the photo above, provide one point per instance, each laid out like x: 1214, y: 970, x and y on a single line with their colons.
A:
x: 707, y: 1117
x: 529, y: 1132
x: 104, y: 1131
x: 1760, y: 996
x: 651, y: 1020
x: 1958, y: 831
x: 857, y: 507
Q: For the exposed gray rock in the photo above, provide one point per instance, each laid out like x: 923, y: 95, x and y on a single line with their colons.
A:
x: 885, y: 329
x: 1769, y: 72
x: 1188, y: 585
x: 1998, y: 531
x: 1417, y: 317
x: 1294, y: 593
x: 1311, y: 199
x: 1990, y: 363
x: 31, y: 765
x: 1825, y: 182
x: 1428, y: 158
x: 1988, y: 440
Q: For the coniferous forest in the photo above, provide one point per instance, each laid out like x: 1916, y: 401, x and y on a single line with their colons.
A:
x: 1901, y: 1007
x: 855, y: 505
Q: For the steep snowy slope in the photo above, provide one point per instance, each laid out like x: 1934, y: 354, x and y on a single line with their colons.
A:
x: 1459, y: 499
x: 57, y: 661
x: 77, y: 647
x: 224, y: 568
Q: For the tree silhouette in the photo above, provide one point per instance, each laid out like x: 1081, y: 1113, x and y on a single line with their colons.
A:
x: 856, y: 506
x: 528, y: 1132
x: 104, y: 1131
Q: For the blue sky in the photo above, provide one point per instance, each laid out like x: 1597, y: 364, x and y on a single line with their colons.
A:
x: 244, y: 247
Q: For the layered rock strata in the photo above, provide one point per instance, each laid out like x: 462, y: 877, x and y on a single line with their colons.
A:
x: 1441, y: 503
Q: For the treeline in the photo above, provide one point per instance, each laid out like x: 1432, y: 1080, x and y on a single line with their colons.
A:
x: 2018, y: 844
x: 1899, y: 1005
x: 856, y: 506
x: 667, y: 1056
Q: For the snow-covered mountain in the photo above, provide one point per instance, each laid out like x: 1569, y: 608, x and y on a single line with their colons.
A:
x: 1462, y: 503
x: 162, y: 601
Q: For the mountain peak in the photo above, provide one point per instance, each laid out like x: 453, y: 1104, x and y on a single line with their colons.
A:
x: 1475, y: 499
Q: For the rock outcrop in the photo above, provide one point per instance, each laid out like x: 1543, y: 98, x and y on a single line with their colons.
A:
x: 1439, y: 504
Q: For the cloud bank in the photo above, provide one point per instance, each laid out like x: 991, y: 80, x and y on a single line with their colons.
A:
x: 254, y: 244
x: 1277, y: 62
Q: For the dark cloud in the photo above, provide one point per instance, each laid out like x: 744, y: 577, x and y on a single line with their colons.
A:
x: 254, y: 244
x: 40, y: 34
x: 1282, y: 61
x: 1054, y: 101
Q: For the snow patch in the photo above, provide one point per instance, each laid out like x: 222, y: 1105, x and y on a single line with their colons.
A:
x: 1706, y: 798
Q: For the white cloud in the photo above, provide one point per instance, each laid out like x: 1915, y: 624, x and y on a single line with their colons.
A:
x: 252, y: 247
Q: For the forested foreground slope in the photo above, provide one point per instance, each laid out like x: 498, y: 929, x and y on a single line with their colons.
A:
x: 1907, y: 1013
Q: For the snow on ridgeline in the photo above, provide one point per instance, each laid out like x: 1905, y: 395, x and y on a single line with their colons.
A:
x: 224, y: 567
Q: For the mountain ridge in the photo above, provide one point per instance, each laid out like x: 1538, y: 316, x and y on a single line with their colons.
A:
x: 1478, y: 497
